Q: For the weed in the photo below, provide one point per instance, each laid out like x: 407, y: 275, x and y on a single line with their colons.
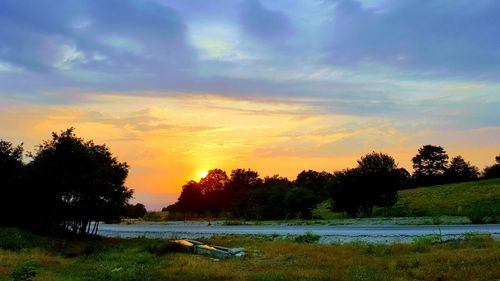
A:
x: 15, y: 240
x: 269, y: 276
x: 25, y: 271
x: 428, y: 239
x: 162, y: 247
x: 308, y: 237
x: 362, y: 273
x: 234, y: 222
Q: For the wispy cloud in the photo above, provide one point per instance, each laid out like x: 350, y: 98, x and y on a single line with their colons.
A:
x: 176, y: 86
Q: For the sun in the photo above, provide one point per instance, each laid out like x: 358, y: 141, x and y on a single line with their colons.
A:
x: 203, y: 174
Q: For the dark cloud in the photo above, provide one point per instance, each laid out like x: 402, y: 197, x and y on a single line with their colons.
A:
x: 119, y: 36
x: 423, y: 37
x: 267, y: 25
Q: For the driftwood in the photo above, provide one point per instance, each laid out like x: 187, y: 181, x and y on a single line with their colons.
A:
x: 197, y: 247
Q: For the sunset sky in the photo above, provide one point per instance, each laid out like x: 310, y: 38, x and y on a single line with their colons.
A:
x: 177, y: 87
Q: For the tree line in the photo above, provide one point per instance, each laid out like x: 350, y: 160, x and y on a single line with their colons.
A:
x: 355, y: 191
x: 69, y: 184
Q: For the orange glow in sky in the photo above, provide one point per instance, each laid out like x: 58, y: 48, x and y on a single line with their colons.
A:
x: 169, y: 140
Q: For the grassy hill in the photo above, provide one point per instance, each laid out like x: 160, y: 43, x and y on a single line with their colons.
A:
x: 479, y: 201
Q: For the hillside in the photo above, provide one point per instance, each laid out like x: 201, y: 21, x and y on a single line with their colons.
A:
x: 479, y: 201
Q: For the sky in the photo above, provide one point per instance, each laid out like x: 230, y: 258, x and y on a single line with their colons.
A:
x: 177, y: 87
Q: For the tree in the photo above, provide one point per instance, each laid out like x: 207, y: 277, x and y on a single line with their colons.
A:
x: 237, y: 190
x: 11, y: 172
x: 374, y: 182
x: 190, y: 200
x: 212, y: 187
x: 317, y: 182
x: 269, y: 200
x: 493, y: 171
x: 460, y: 170
x: 429, y: 165
x: 215, y: 180
x: 77, y: 182
x: 136, y: 211
x: 300, y: 202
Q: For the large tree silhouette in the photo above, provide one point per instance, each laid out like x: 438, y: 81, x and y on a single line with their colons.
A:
x: 461, y: 170
x: 429, y: 165
x: 317, y: 182
x: 374, y: 182
x: 11, y: 172
x: 77, y: 182
x: 494, y: 170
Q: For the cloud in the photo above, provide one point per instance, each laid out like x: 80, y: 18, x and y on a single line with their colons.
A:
x: 143, y: 36
x: 264, y: 24
x: 424, y: 38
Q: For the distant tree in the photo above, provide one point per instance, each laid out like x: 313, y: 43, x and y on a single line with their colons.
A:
x: 429, y: 165
x: 215, y: 180
x: 493, y: 171
x: 317, y: 182
x: 460, y: 170
x: 190, y: 200
x: 136, y: 211
x: 269, y: 201
x: 212, y: 187
x: 276, y: 180
x: 11, y: 173
x: 300, y: 202
x: 237, y: 190
x: 374, y: 182
x: 77, y: 182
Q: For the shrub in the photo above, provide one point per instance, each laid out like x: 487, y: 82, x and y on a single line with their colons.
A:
x: 428, y: 239
x: 25, y: 271
x: 15, y: 240
x: 362, y: 273
x: 308, y: 237
x: 161, y: 247
x: 155, y: 216
x: 268, y: 276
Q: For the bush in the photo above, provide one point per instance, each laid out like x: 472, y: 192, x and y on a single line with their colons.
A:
x: 155, y: 216
x: 268, y: 276
x: 161, y: 247
x: 428, y: 239
x: 308, y: 237
x: 25, y: 271
x: 14, y: 239
x: 362, y: 273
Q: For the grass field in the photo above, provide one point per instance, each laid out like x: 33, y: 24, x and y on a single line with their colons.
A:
x: 25, y: 256
x: 479, y: 201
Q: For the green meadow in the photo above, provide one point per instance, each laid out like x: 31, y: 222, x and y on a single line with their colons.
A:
x: 25, y: 256
x: 479, y: 201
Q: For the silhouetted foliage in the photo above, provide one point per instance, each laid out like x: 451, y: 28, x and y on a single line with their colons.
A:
x: 269, y: 201
x: 374, y: 182
x: 136, y: 211
x: 76, y: 182
x: 300, y: 202
x: 460, y: 170
x: 212, y: 187
x: 429, y: 165
x: 240, y: 185
x: 190, y: 200
x: 11, y: 177
x: 494, y: 170
x: 317, y: 182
